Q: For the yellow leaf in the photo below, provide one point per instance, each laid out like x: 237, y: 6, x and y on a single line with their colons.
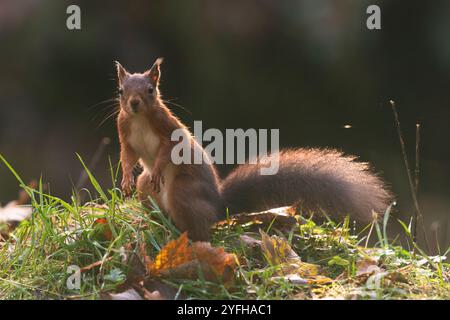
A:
x: 277, y: 250
x: 320, y: 280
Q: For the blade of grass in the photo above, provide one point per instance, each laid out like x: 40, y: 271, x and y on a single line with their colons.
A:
x: 94, y: 181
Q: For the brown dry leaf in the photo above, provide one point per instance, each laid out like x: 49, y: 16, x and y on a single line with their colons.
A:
x: 366, y: 267
x: 216, y: 258
x: 249, y: 241
x: 137, y: 269
x: 178, y: 259
x: 279, y: 218
x: 253, y: 245
x: 215, y: 262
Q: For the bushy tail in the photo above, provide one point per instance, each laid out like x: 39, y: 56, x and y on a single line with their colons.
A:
x: 315, y: 180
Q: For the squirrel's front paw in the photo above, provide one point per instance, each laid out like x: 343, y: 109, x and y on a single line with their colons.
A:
x: 156, y: 180
x: 127, y: 186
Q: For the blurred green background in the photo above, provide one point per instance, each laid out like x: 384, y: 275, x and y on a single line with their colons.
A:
x: 306, y: 67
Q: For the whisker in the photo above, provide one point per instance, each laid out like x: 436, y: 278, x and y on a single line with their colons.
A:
x: 115, y: 104
x: 177, y: 105
x: 106, y: 109
x: 104, y: 101
x: 115, y: 112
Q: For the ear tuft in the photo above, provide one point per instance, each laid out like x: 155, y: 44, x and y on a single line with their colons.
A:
x: 159, y: 61
x: 121, y: 72
x: 155, y: 71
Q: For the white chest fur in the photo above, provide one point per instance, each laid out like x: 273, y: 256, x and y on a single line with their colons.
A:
x: 144, y: 141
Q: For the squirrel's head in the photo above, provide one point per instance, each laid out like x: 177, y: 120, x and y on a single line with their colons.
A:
x: 139, y: 91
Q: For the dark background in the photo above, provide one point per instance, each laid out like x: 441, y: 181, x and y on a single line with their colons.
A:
x: 306, y: 67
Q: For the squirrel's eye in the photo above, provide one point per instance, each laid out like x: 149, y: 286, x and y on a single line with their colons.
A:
x: 150, y: 90
x: 120, y: 91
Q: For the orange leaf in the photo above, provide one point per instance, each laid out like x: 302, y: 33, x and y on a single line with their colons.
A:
x: 216, y: 258
x: 173, y: 254
x: 178, y: 259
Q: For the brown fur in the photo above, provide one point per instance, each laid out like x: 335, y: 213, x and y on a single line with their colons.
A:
x: 192, y: 194
x: 189, y: 194
x: 315, y: 180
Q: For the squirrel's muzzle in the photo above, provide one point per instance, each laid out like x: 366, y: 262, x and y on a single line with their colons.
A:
x: 134, y: 104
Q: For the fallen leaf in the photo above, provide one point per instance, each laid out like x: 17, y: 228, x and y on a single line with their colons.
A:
x: 249, y: 241
x: 279, y: 253
x: 366, y: 267
x: 254, y: 247
x: 178, y: 259
x: 320, y: 280
x: 216, y: 258
x: 277, y: 250
x: 129, y: 294
x: 173, y: 254
x: 279, y: 218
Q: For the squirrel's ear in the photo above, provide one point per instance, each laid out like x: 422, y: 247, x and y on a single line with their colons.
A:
x: 121, y: 72
x: 154, y: 73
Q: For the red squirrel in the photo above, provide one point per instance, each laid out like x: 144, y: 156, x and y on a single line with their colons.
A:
x: 195, y: 197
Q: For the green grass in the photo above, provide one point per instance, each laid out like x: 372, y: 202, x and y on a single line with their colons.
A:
x: 35, y: 258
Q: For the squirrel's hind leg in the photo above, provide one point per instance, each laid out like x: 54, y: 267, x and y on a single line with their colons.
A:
x: 191, y: 210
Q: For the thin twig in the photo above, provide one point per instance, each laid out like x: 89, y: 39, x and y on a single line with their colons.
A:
x: 446, y: 227
x: 417, y: 171
x: 416, y: 176
x: 408, y: 171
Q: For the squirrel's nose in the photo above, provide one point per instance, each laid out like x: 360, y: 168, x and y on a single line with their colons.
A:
x: 134, y: 104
